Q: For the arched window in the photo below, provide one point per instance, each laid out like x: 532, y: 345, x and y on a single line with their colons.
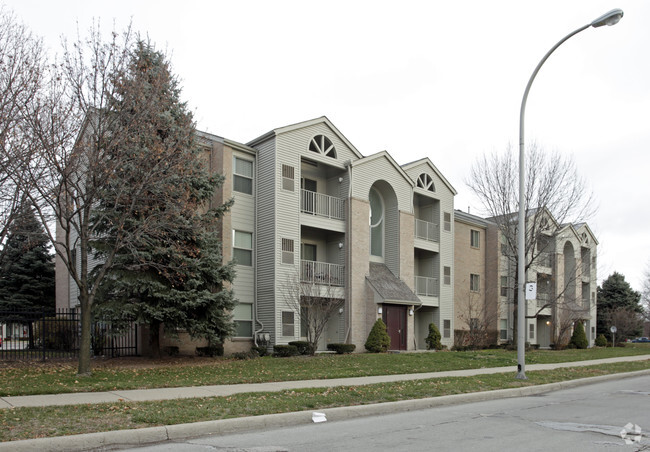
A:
x: 322, y: 145
x: 426, y: 182
x: 377, y: 212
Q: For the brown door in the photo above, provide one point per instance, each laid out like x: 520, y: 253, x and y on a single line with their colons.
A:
x: 395, y: 319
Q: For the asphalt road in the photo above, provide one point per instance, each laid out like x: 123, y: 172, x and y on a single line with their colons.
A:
x: 586, y: 418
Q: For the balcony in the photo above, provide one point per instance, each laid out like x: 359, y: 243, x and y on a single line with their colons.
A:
x: 428, y: 287
x: 322, y: 273
x: 542, y: 299
x: 322, y: 205
x: 544, y: 260
x: 427, y: 231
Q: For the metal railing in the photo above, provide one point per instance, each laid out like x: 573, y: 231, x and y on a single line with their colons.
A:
x: 545, y: 260
x: 427, y: 231
x: 43, y: 334
x: 322, y: 205
x: 542, y: 299
x: 426, y: 286
x: 322, y: 273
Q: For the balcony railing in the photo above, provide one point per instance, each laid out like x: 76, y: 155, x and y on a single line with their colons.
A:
x: 322, y: 205
x: 542, y: 299
x: 322, y: 273
x: 427, y: 231
x: 428, y: 287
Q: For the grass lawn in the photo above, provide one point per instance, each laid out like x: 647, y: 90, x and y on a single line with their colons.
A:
x: 51, y: 378
x: 24, y: 423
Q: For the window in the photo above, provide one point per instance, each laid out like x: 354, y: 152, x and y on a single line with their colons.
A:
x: 475, y: 238
x: 446, y: 328
x: 503, y: 329
x: 287, y: 251
x: 308, y: 184
x: 593, y: 333
x: 504, y: 286
x: 243, y: 317
x: 287, y: 177
x: 474, y: 283
x: 242, y: 175
x: 376, y: 223
x: 243, y: 248
x: 320, y: 144
x: 531, y: 331
x: 447, y: 275
x: 447, y: 221
x: 504, y: 249
x: 309, y: 252
x: 287, y: 323
x: 425, y: 182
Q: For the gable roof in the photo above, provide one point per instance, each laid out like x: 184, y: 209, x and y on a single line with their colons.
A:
x: 387, y: 156
x: 389, y: 287
x: 428, y: 161
x: 303, y: 124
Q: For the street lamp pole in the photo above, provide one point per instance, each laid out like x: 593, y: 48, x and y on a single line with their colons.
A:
x: 610, y: 18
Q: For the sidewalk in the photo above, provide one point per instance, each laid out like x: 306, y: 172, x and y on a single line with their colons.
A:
x: 140, y: 395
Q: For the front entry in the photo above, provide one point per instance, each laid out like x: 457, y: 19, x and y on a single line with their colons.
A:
x: 394, y: 317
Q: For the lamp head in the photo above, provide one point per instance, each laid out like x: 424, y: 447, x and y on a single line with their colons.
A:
x: 610, y: 18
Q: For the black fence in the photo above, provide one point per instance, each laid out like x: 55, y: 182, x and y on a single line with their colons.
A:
x: 46, y: 334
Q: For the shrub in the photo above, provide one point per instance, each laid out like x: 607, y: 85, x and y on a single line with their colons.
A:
x: 601, y: 341
x: 245, y: 355
x: 579, y: 338
x: 433, y: 339
x: 171, y: 350
x: 259, y: 350
x: 341, y: 349
x: 304, y: 347
x: 210, y: 350
x: 378, y: 340
x: 284, y: 351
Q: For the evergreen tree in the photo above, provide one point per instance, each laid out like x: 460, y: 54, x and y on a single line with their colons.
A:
x: 378, y: 339
x: 27, y: 267
x: 615, y: 294
x: 433, y: 338
x: 579, y: 338
x: 171, y: 273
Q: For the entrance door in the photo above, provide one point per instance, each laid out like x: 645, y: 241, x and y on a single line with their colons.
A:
x: 395, y: 319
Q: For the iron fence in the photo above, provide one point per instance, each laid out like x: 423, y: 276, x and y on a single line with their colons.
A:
x: 45, y: 334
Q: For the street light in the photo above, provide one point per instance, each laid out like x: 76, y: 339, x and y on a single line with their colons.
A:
x: 610, y: 18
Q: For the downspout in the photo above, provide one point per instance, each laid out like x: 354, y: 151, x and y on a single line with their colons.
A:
x: 257, y: 320
x: 348, y: 254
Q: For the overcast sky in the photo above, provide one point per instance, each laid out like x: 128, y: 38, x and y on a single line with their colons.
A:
x: 416, y: 78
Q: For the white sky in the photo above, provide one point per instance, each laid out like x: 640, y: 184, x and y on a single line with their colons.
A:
x: 416, y: 78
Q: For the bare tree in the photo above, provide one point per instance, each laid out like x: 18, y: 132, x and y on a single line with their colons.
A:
x: 555, y: 194
x: 628, y: 322
x: 478, y: 321
x: 21, y: 72
x: 645, y: 293
x: 315, y: 304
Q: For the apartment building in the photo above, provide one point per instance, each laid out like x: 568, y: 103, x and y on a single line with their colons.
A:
x: 564, y: 272
x: 365, y: 232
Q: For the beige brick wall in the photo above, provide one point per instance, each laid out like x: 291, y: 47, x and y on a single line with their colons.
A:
x: 362, y: 308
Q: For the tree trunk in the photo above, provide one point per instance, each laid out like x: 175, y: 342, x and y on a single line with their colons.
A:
x: 84, y: 346
x: 154, y: 339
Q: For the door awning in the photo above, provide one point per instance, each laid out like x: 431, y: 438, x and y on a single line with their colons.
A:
x: 389, y: 288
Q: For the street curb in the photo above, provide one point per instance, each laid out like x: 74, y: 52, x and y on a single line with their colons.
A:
x: 139, y: 437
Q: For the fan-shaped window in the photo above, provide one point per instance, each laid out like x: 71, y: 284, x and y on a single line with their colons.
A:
x: 426, y: 182
x: 322, y: 145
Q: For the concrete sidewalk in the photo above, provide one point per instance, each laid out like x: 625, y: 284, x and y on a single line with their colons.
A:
x: 140, y: 395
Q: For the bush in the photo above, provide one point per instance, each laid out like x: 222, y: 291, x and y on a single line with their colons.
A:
x: 304, y: 347
x: 378, y: 340
x: 210, y: 350
x: 55, y: 333
x: 284, y: 351
x: 579, y: 338
x: 341, y: 349
x: 259, y: 350
x: 245, y: 355
x: 433, y: 339
x: 171, y: 350
x: 601, y: 341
